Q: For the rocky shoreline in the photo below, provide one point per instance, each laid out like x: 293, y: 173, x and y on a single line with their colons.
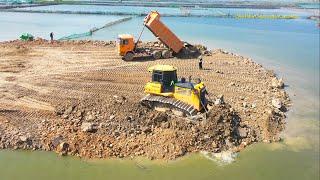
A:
x: 79, y: 98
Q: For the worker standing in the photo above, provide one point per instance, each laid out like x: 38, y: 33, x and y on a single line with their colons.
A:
x: 51, y: 36
x: 200, y: 62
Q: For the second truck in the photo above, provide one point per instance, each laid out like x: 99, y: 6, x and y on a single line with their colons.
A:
x: 127, y: 47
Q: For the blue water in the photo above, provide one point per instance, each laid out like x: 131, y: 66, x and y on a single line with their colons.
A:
x: 165, y: 10
x: 12, y: 25
x: 310, y: 5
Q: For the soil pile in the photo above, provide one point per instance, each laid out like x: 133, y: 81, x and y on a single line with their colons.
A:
x: 80, y: 98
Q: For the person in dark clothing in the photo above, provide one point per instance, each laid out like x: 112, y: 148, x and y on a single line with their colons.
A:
x: 51, y: 36
x: 200, y: 62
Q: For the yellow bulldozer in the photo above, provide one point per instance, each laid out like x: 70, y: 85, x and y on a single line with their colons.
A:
x: 165, y: 89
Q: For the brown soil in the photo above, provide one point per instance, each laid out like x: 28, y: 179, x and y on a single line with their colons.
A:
x: 49, y: 91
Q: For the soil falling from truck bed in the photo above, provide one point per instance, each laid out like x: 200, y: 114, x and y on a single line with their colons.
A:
x: 80, y: 98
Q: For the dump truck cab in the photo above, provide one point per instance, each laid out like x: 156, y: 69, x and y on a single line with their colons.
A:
x: 165, y: 83
x: 125, y: 44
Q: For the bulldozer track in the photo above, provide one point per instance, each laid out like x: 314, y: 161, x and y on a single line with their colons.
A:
x: 170, y: 101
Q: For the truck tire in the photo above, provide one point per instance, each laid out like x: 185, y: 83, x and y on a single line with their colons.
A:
x: 129, y: 56
x: 156, y: 54
x: 166, y: 54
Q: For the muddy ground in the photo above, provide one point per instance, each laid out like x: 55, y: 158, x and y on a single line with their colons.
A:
x: 79, y: 98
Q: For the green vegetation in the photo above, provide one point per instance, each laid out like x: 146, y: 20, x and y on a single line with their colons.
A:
x: 26, y: 37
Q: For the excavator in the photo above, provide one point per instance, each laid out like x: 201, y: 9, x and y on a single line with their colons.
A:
x: 128, y: 49
x: 165, y: 89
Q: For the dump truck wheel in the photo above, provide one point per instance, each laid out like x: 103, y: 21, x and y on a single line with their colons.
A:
x: 129, y: 56
x: 166, y: 54
x: 156, y: 54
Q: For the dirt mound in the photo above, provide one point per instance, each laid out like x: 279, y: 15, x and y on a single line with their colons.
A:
x: 80, y: 98
x: 120, y: 121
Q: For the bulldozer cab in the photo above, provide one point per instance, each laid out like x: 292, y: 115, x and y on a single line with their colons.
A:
x: 166, y: 75
x: 188, y: 96
x: 125, y: 43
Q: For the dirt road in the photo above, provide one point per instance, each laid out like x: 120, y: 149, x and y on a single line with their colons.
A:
x: 51, y: 92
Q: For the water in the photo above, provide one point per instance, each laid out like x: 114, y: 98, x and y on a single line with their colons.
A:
x: 256, y: 162
x: 164, y: 10
x: 291, y: 47
x: 40, y: 25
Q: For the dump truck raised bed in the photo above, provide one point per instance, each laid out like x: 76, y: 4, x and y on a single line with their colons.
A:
x: 162, y: 32
x: 128, y: 49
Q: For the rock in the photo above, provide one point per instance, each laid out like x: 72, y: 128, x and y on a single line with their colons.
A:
x: 253, y: 105
x: 88, y: 127
x: 270, y: 111
x: 277, y: 83
x: 217, y: 102
x: 23, y: 138
x: 116, y: 133
x: 214, y: 144
x: 161, y: 109
x: 119, y: 99
x: 266, y: 141
x: 112, y: 117
x: 69, y: 110
x: 62, y: 149
x: 281, y: 83
x: 146, y: 130
x: 178, y: 113
x: 227, y: 133
x: 276, y: 103
x: 90, y: 117
x: 56, y: 141
x: 245, y: 104
x: 160, y: 117
x: 165, y: 125
x: 228, y: 143
x: 129, y: 118
x: 242, y: 132
x: 79, y: 114
x: 206, y: 137
x: 209, y: 107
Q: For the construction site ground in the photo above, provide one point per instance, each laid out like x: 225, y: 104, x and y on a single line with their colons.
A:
x: 79, y: 98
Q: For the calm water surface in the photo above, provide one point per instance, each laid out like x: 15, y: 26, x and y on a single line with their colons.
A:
x: 12, y: 25
x: 290, y: 47
x: 165, y: 10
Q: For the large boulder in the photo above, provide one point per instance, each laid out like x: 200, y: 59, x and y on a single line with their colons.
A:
x: 62, y: 149
x: 242, y: 132
x: 277, y: 83
x: 276, y: 103
x: 89, y: 127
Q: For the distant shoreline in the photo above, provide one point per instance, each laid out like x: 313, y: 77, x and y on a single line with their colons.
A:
x: 186, y: 4
x: 236, y: 16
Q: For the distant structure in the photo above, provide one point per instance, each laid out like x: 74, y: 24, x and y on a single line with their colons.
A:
x: 186, y: 11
